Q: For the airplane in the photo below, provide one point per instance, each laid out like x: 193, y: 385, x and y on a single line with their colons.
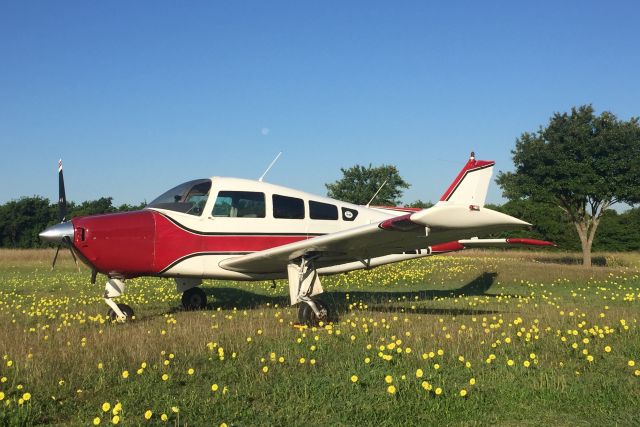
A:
x: 240, y: 229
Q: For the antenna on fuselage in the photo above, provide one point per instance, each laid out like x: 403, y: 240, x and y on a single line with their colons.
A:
x: 374, y: 196
x: 270, y: 166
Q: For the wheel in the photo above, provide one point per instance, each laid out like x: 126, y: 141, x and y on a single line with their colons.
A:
x: 307, y: 316
x: 126, y: 310
x: 194, y: 299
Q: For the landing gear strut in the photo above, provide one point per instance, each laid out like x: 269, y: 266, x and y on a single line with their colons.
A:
x: 117, y: 312
x: 304, y: 285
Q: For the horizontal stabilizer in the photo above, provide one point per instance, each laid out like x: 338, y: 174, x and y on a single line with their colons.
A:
x: 455, y: 216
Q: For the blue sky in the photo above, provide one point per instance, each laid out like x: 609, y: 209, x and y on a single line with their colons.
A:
x: 137, y: 97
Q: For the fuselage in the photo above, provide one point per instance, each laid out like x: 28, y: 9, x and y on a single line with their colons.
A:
x: 190, y: 229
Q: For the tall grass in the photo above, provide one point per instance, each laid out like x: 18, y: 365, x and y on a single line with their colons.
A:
x: 480, y: 309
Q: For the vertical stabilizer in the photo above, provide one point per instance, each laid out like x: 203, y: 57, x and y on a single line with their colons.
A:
x: 471, y: 185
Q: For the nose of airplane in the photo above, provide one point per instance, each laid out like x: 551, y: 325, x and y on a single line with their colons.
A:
x: 56, y: 233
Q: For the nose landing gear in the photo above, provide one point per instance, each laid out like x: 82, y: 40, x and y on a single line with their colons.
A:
x: 117, y: 312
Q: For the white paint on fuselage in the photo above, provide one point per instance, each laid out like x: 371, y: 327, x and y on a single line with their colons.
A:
x: 207, y: 265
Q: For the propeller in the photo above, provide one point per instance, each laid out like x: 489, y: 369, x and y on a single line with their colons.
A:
x: 62, y: 197
x: 62, y: 233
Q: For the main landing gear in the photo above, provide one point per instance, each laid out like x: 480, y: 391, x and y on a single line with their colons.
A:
x: 304, y: 285
x: 312, y: 312
x: 193, y: 298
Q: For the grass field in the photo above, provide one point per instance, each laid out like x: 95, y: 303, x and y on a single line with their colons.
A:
x: 507, y: 338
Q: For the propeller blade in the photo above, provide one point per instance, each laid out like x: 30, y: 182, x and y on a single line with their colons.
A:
x: 55, y: 257
x: 67, y: 241
x: 62, y: 198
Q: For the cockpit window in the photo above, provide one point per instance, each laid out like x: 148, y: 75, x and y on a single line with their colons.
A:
x: 189, y: 197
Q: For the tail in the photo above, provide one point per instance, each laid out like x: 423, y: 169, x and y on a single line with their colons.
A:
x: 471, y: 185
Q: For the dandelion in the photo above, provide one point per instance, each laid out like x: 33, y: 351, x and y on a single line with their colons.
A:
x: 510, y: 362
x: 214, y: 387
x: 125, y: 374
x: 463, y: 393
x: 190, y: 371
x: 425, y: 385
x: 165, y: 377
x: 438, y: 391
x: 148, y: 414
x: 354, y: 378
x: 388, y: 379
x: 175, y: 409
x: 106, y: 407
x: 526, y: 363
x: 631, y: 363
x: 115, y: 419
x: 391, y: 389
x: 96, y: 421
x: 472, y: 381
x: 164, y: 417
x: 419, y: 373
x: 26, y: 397
x: 1, y: 396
x: 607, y: 349
x: 265, y: 369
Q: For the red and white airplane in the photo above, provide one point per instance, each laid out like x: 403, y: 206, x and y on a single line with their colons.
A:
x: 239, y: 229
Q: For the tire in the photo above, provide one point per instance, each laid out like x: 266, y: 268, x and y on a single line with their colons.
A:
x: 194, y: 299
x: 126, y: 310
x: 307, y: 316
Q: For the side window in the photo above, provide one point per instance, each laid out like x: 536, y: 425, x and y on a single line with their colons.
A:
x: 287, y: 207
x: 239, y: 204
x: 318, y: 210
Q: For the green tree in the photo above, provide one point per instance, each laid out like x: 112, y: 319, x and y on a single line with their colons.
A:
x: 419, y: 204
x: 549, y: 222
x: 358, y: 185
x: 21, y: 220
x: 581, y: 163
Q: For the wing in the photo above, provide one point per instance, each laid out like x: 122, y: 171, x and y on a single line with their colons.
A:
x: 418, y: 230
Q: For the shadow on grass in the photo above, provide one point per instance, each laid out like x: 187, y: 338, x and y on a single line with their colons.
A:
x: 380, y: 301
x: 596, y: 261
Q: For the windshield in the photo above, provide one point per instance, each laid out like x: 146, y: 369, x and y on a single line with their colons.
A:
x: 189, y: 197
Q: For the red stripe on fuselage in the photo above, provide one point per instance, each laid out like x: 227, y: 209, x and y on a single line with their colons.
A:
x: 174, y: 242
